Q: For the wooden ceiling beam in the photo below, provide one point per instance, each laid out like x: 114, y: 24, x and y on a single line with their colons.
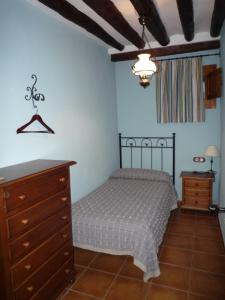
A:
x: 110, y: 13
x: 170, y: 50
x: 153, y: 21
x: 185, y: 9
x: 71, y: 13
x: 218, y: 17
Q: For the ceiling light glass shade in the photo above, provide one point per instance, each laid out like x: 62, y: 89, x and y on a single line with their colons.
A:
x: 144, y: 66
x: 212, y: 151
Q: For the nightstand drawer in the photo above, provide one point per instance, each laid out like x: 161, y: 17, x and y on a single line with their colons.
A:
x: 196, y: 202
x: 197, y: 193
x: 196, y: 183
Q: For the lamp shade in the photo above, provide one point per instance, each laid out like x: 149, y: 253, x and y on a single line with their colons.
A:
x: 212, y: 150
x: 144, y: 66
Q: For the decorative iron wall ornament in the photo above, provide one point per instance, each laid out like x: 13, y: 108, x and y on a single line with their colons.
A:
x: 33, y: 95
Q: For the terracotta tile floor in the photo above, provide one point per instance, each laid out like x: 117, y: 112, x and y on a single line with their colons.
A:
x: 192, y: 264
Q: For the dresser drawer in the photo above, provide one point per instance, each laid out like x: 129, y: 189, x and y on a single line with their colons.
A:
x: 196, y: 183
x: 34, y: 283
x: 197, y: 193
x: 27, y: 219
x: 56, y: 284
x: 29, y: 241
x: 196, y: 202
x: 24, y: 268
x: 22, y: 195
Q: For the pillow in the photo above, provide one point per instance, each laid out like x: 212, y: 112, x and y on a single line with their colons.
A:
x: 142, y: 174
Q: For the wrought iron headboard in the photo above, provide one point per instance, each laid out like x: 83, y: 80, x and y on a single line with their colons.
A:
x: 161, y: 143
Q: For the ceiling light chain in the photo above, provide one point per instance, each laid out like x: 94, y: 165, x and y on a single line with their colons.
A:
x: 144, y: 67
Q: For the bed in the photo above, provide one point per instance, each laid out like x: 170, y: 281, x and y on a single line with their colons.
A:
x: 127, y: 215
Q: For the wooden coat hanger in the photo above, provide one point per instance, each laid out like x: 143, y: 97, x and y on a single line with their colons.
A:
x: 38, y: 118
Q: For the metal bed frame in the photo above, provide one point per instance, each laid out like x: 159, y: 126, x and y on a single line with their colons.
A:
x: 161, y: 143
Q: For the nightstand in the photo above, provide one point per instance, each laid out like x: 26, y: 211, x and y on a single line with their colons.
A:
x: 197, y: 190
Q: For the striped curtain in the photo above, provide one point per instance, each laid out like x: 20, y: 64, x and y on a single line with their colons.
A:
x: 179, y: 91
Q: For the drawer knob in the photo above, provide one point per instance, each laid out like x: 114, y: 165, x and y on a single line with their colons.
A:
x: 25, y: 221
x: 65, y: 235
x: 27, y: 267
x: 196, y: 184
x: 26, y: 244
x: 196, y: 193
x: 64, y: 217
x: 22, y: 197
x: 30, y: 288
x: 66, y: 253
x: 64, y: 199
x: 62, y: 179
x: 67, y: 271
x: 196, y: 202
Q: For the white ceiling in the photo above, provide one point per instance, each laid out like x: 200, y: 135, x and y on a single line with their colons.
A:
x: 167, y: 10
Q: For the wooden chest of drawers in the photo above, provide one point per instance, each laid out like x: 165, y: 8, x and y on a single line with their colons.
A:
x: 36, y: 249
x: 197, y: 190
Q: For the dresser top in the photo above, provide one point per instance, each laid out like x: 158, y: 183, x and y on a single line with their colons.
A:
x: 30, y: 168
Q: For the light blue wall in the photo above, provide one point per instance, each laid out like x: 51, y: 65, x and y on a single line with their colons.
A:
x: 137, y: 116
x: 222, y: 182
x: 77, y: 78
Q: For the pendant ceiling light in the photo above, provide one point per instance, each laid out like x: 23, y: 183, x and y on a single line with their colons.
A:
x: 145, y: 67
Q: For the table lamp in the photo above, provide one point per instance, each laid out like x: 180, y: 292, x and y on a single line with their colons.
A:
x: 212, y: 151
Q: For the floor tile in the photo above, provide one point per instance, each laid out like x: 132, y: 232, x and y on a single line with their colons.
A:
x: 83, y: 257
x: 94, y: 283
x: 209, y: 220
x: 179, y: 241
x: 130, y: 270
x: 210, y: 246
x: 157, y: 292
x: 159, y: 251
x: 184, y: 219
x: 78, y: 271
x: 72, y: 295
x: 127, y: 289
x: 182, y: 229
x: 62, y: 294
x: 208, y: 284
x: 175, y: 256
x: 208, y: 231
x: 174, y: 212
x: 173, y: 276
x: 208, y: 262
x: 107, y: 262
x: 200, y: 297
